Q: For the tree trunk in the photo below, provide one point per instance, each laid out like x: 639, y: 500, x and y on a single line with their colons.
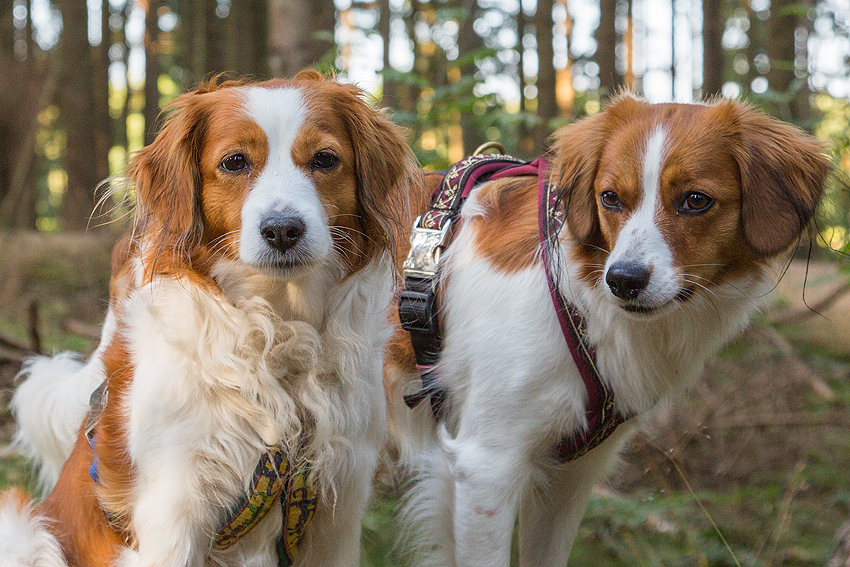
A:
x: 246, y: 53
x: 606, y: 48
x: 547, y: 102
x: 780, y: 44
x: 388, y: 97
x: 103, y: 122
x: 565, y: 92
x: 120, y: 132
x: 151, y: 110
x: 712, y: 48
x: 260, y: 37
x: 216, y: 42
x: 468, y: 43
x: 673, y: 50
x: 782, y: 49
x: 76, y: 107
x: 526, y: 140
x: 197, y: 44
x: 630, y: 79
x: 300, y: 34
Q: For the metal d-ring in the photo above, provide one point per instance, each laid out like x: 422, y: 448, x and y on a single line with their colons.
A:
x: 489, y: 146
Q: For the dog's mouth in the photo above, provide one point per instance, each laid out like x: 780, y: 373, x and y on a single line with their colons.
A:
x: 288, y: 264
x: 637, y: 308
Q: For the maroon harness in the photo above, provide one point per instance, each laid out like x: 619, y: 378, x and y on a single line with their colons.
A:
x: 417, y: 311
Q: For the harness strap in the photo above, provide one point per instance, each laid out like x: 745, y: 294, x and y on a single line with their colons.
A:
x: 602, y: 415
x: 417, y: 309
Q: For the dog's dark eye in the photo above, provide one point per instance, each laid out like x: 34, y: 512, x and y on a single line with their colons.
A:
x: 234, y: 163
x: 611, y: 200
x: 324, y: 160
x: 695, y: 203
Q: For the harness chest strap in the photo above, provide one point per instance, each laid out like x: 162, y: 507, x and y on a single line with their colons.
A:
x: 600, y: 410
x: 416, y: 300
x: 273, y: 480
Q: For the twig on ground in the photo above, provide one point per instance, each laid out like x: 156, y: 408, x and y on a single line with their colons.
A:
x: 81, y: 328
x: 35, y: 335
x: 789, y: 316
x: 796, y: 365
x: 777, y: 420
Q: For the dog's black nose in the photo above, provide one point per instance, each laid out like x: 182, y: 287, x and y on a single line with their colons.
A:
x: 627, y: 280
x: 282, y: 232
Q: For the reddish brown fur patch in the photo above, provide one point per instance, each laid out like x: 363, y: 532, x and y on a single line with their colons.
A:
x: 710, y: 247
x: 223, y: 193
x: 76, y: 502
x: 117, y: 476
x: 782, y: 177
x: 363, y: 196
x: 80, y: 525
x: 121, y: 281
x: 508, y: 234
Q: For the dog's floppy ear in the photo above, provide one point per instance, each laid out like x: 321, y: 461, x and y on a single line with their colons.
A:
x: 782, y: 178
x: 385, y: 170
x: 167, y: 178
x: 575, y: 156
x: 307, y: 75
x: 166, y: 174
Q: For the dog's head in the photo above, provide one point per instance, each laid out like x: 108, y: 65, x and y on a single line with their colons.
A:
x: 668, y: 201
x: 283, y: 176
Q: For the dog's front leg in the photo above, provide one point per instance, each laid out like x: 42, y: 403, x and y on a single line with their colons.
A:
x: 332, y: 538
x: 552, y: 510
x: 488, y: 480
x: 172, y: 518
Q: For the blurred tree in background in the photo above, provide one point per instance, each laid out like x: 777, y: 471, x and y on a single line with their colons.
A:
x: 85, y: 81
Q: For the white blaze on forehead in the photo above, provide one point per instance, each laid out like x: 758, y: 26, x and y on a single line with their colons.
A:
x: 653, y: 160
x: 281, y: 186
x: 640, y: 241
x: 279, y: 112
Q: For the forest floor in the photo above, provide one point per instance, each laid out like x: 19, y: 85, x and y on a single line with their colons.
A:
x: 752, y: 468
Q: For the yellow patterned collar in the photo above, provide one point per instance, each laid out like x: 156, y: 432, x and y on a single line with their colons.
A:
x: 274, y: 479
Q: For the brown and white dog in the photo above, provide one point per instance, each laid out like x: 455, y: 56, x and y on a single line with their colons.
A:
x: 248, y: 309
x: 672, y: 215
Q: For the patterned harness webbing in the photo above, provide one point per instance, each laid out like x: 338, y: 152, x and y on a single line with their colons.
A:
x: 418, y: 312
x: 274, y: 479
x: 600, y: 410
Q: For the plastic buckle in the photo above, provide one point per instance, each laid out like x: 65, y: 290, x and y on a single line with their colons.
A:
x: 415, y: 310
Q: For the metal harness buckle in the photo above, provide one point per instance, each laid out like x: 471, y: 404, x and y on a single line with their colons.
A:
x: 425, y: 247
x: 416, y: 300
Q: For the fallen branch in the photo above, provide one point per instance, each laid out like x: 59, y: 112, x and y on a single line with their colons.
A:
x: 796, y: 365
x: 80, y: 328
x: 790, y: 317
x: 13, y: 355
x: 841, y: 554
x: 11, y: 344
x: 777, y: 420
